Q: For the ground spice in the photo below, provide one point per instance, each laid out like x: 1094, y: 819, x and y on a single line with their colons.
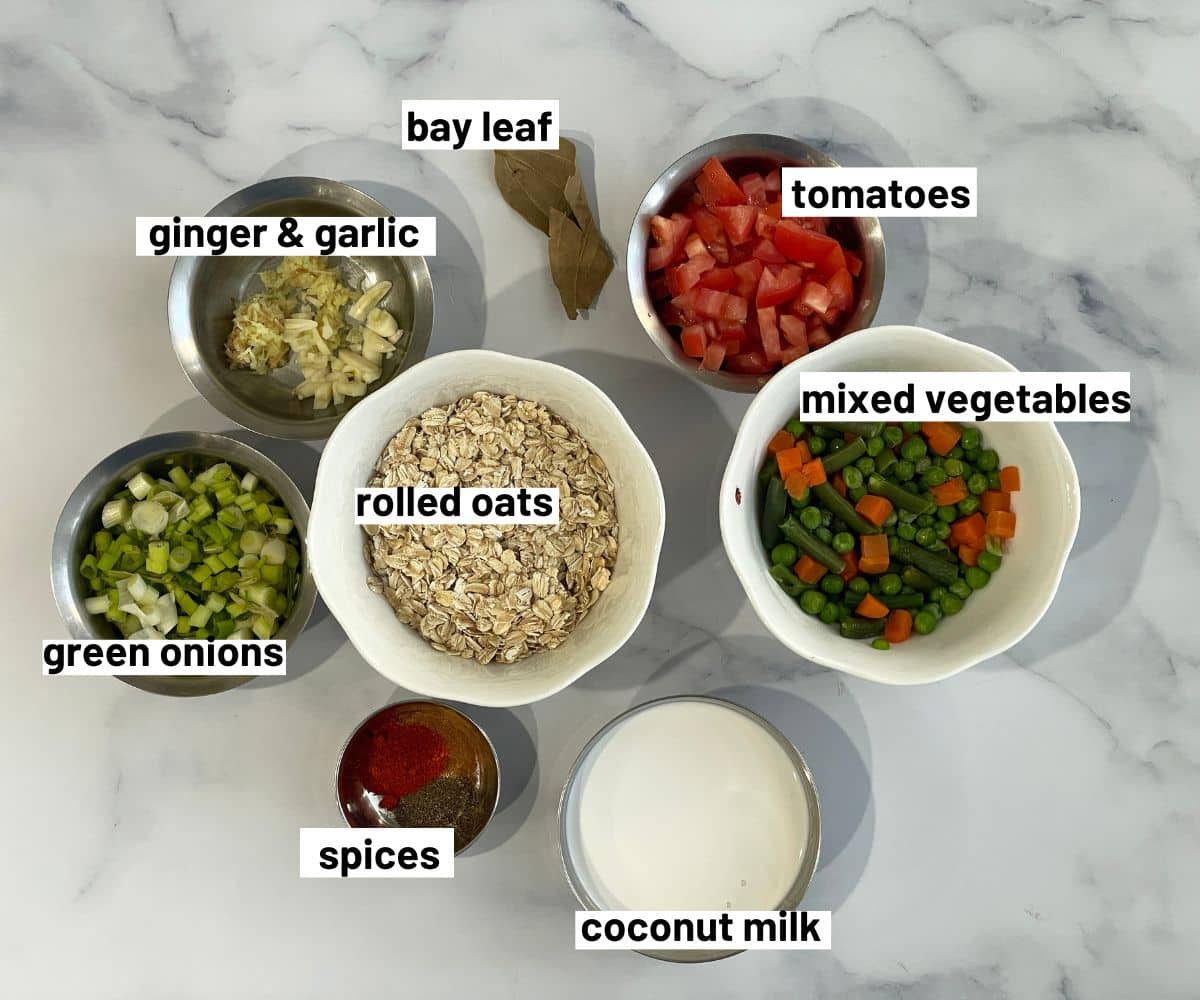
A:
x: 400, y: 758
x: 442, y: 802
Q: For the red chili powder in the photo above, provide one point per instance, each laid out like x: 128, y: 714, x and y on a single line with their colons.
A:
x: 398, y: 758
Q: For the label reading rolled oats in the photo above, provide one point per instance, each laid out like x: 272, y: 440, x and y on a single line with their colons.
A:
x: 455, y: 505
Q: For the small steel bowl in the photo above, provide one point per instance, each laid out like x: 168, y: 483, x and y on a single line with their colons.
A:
x: 81, y: 517
x: 808, y: 860
x: 752, y: 150
x: 472, y: 756
x: 205, y: 290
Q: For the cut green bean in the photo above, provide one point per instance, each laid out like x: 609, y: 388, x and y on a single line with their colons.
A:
x: 774, y: 509
x: 839, y: 459
x: 928, y: 562
x: 840, y: 507
x: 866, y: 430
x: 900, y: 497
x: 811, y: 546
x: 862, y: 628
x: 903, y: 600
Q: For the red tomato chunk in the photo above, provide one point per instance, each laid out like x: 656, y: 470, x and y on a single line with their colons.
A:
x: 745, y: 289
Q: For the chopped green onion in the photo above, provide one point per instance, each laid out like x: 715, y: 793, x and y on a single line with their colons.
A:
x: 179, y: 559
x: 97, y: 605
x: 115, y: 512
x: 149, y: 516
x: 140, y: 486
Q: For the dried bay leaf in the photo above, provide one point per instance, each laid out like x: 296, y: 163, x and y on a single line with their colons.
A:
x: 566, y: 245
x: 532, y: 181
x: 595, y: 259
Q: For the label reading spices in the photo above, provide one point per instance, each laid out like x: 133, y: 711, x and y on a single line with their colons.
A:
x: 336, y: 852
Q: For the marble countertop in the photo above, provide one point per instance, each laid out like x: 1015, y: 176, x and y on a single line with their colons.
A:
x: 1027, y: 829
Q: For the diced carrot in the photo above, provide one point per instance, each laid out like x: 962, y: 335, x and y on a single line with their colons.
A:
x: 941, y: 436
x: 951, y: 491
x: 839, y: 483
x: 871, y: 607
x: 851, y: 564
x: 1010, y: 479
x: 814, y: 471
x: 969, y: 554
x: 1002, y: 523
x: 791, y: 459
x: 899, y: 625
x: 808, y: 569
x: 874, y: 509
x: 802, y: 447
x: 968, y: 531
x: 994, y: 500
x: 780, y: 442
x: 796, y: 484
x: 874, y: 557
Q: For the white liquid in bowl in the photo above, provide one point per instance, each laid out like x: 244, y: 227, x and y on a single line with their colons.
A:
x: 687, y: 805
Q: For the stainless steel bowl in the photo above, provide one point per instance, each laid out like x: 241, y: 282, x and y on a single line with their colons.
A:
x: 472, y: 755
x: 81, y: 517
x: 204, y: 291
x: 808, y: 859
x: 776, y: 149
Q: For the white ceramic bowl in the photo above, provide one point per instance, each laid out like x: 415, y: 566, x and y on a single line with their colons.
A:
x: 335, y: 543
x: 1047, y: 509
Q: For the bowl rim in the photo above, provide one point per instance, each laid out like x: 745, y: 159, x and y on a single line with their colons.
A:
x: 338, y: 602
x: 148, y: 449
x: 185, y: 269
x: 440, y: 706
x: 749, y: 582
x: 805, y: 871
x: 665, y: 185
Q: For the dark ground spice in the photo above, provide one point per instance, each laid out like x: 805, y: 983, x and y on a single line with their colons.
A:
x: 445, y: 801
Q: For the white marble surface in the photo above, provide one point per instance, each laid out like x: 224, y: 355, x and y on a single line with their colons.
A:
x: 1027, y: 829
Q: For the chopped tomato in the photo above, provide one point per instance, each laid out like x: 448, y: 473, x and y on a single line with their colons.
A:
x: 716, y: 187
x: 790, y: 354
x: 835, y: 261
x: 728, y: 329
x: 841, y: 287
x: 694, y: 246
x: 815, y: 295
x: 767, y: 252
x: 714, y: 355
x: 853, y: 263
x: 747, y: 275
x: 738, y: 221
x: 720, y: 278
x: 773, y: 182
x: 754, y: 188
x: 794, y: 331
x: 776, y: 288
x: 802, y: 245
x: 818, y: 336
x: 669, y: 235
x: 749, y: 363
x: 769, y: 333
x: 693, y: 341
x: 736, y: 308
x: 683, y: 276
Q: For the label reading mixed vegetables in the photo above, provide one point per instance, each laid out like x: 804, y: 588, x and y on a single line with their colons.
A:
x: 884, y: 529
x: 745, y: 289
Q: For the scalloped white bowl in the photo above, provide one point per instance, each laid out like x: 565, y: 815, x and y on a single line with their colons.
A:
x: 1047, y: 509
x: 335, y: 543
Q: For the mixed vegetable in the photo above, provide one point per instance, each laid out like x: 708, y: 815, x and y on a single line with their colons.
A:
x: 202, y: 552
x: 745, y: 289
x: 884, y: 529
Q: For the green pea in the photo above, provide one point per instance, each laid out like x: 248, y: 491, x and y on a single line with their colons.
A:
x: 824, y: 534
x: 892, y: 519
x: 926, y: 537
x: 880, y: 644
x: 947, y: 514
x: 955, y: 453
x: 795, y: 427
x: 951, y: 605
x: 852, y: 477
x: 906, y: 531
x: 970, y: 438
x: 831, y: 612
x: 953, y: 467
x: 942, y: 530
x: 937, y: 593
x: 976, y: 578
x: 843, y: 542
x: 858, y: 586
x: 924, y: 520
x: 857, y: 494
x: 924, y: 623
x: 810, y: 517
x: 989, y: 461
x: 836, y: 445
x: 922, y: 465
x: 913, y: 448
x: 816, y: 445
x: 993, y: 544
x: 874, y: 445
x: 892, y: 436
x: 865, y: 465
x: 812, y: 601
x: 890, y: 583
x: 934, y: 609
x: 960, y: 589
x: 968, y: 505
x: 971, y: 455
x: 784, y: 554
x: 977, y: 483
x: 802, y: 501
x: 993, y: 480
x: 933, y: 477
x: 911, y: 426
x: 989, y: 562
x: 832, y: 584
x: 903, y: 470
x: 826, y: 518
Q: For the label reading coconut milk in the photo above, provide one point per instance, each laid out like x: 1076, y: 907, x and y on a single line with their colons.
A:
x: 703, y: 930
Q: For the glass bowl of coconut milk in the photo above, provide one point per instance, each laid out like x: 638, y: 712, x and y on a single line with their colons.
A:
x: 689, y: 803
